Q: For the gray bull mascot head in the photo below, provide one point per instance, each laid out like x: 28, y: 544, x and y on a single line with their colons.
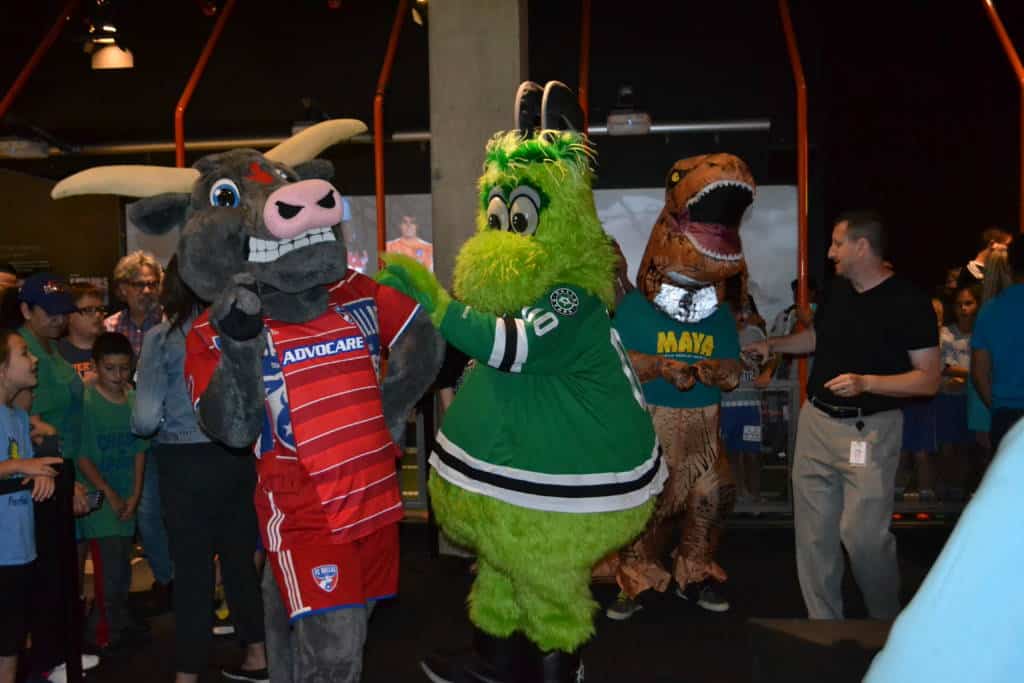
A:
x: 261, y: 236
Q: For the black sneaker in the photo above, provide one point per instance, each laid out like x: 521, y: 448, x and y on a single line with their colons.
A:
x: 623, y: 608
x: 706, y: 595
x: 252, y: 675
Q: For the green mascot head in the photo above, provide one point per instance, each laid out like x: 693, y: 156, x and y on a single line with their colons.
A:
x: 536, y: 224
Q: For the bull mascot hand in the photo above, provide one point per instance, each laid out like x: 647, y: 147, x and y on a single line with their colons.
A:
x: 236, y: 312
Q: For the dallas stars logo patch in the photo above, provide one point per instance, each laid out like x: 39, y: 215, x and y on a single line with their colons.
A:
x: 564, y: 301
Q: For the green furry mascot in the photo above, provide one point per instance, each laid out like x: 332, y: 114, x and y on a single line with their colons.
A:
x: 547, y: 459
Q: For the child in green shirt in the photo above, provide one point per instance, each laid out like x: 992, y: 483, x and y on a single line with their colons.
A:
x: 112, y: 460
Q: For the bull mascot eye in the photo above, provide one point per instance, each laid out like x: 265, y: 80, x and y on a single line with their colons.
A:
x: 224, y: 193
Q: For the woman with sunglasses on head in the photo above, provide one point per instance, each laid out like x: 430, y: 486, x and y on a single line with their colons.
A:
x: 207, y: 497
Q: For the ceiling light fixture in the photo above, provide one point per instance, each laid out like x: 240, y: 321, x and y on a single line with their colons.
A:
x: 103, y: 42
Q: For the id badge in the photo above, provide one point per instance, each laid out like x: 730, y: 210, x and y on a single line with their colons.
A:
x: 859, y: 453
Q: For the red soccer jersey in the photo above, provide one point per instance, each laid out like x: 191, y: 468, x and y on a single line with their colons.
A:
x: 326, y: 458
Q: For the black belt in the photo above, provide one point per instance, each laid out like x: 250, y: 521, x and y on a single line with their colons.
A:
x: 843, y: 412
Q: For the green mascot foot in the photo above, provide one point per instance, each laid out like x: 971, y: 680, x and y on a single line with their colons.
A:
x: 561, y: 667
x: 492, y: 660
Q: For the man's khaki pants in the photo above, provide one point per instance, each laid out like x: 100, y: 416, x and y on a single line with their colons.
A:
x: 836, y: 501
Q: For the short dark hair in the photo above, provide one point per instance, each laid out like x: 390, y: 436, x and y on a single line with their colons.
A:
x: 993, y: 234
x: 868, y: 225
x: 80, y: 290
x: 812, y: 284
x: 111, y: 344
x: 6, y: 267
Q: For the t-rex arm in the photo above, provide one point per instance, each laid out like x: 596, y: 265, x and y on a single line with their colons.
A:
x: 723, y: 373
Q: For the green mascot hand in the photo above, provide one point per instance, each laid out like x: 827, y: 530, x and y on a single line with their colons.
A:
x: 410, y: 277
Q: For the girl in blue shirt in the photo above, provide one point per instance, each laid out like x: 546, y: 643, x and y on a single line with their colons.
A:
x: 17, y: 542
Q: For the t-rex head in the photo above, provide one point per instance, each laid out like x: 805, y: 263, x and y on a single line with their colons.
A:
x: 275, y: 216
x: 695, y: 242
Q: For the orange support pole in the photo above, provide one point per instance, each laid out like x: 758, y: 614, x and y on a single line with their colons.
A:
x: 584, y: 88
x: 801, y: 173
x: 378, y: 121
x: 1018, y: 69
x: 193, y: 81
x: 44, y: 46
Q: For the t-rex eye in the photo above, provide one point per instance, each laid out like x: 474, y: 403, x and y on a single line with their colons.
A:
x: 497, y: 214
x: 225, y: 193
x: 673, y: 179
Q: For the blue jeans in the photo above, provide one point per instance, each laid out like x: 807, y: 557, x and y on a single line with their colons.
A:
x: 151, y: 525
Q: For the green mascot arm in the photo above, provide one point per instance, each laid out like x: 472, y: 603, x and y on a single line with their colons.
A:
x: 410, y: 277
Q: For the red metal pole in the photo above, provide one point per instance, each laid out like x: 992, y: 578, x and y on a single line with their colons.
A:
x: 1018, y: 69
x: 193, y: 81
x: 584, y: 90
x: 378, y: 120
x: 44, y: 46
x: 801, y: 174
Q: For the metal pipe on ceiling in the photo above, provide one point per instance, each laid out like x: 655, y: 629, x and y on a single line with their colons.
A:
x: 1018, y: 69
x: 801, y: 176
x: 193, y: 81
x: 37, y: 56
x: 378, y: 119
x: 584, y: 81
x: 421, y: 136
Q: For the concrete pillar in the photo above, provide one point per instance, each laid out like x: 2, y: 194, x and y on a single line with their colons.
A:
x: 477, y: 59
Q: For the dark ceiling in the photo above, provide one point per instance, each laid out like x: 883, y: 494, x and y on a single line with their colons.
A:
x: 913, y: 107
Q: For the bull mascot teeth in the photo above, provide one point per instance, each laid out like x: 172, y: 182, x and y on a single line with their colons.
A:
x: 546, y: 460
x: 287, y: 361
x: 683, y: 343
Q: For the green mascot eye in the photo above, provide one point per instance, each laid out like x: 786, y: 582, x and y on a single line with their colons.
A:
x: 497, y: 214
x: 524, y: 215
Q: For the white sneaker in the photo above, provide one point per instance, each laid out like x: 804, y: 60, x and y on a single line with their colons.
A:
x: 59, y: 674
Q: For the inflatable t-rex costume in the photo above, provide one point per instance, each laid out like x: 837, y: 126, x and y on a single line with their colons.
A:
x: 288, y: 357
x: 684, y: 347
x: 546, y: 460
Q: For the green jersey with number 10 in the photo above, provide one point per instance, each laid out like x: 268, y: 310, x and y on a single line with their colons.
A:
x: 551, y: 415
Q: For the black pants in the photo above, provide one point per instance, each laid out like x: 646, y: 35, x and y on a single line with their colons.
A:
x: 1002, y: 420
x: 54, y: 615
x: 207, y: 497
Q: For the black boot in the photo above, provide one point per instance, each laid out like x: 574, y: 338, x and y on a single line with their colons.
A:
x: 561, y: 667
x: 492, y: 660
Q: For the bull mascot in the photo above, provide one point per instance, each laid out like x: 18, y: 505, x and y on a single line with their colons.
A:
x: 289, y: 357
x: 683, y: 342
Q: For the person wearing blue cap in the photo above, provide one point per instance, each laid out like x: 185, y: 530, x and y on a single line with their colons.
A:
x: 57, y: 403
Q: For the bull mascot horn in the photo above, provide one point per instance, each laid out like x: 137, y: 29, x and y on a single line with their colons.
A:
x: 149, y: 181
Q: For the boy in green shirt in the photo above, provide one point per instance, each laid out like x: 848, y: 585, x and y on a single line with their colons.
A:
x: 112, y: 461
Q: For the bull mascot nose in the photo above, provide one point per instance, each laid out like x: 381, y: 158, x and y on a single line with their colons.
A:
x: 287, y: 362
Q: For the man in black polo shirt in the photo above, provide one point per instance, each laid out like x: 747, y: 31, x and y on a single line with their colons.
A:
x: 875, y: 341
